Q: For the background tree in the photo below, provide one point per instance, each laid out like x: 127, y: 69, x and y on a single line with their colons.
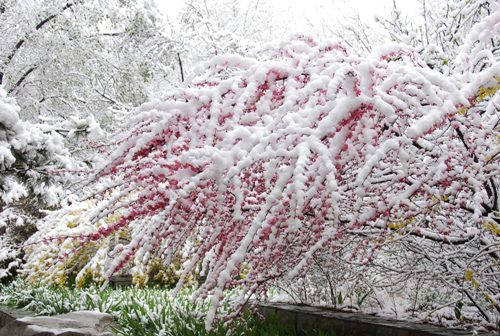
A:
x: 81, y: 57
x: 444, y: 30
x: 209, y: 28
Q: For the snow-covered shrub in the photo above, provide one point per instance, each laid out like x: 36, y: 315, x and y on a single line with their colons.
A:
x: 29, y: 155
x: 88, y: 259
x: 261, y: 165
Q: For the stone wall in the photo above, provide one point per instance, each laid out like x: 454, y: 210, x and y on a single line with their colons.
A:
x: 308, y: 321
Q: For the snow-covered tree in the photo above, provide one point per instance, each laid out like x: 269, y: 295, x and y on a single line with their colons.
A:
x: 263, y: 165
x: 440, y: 30
x: 459, y: 39
x: 74, y: 57
x: 208, y: 28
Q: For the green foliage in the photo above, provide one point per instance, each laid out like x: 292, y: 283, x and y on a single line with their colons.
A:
x: 458, y: 310
x: 146, y: 311
x: 361, y: 297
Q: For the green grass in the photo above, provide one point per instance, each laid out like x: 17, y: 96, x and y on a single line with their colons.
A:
x: 140, y: 312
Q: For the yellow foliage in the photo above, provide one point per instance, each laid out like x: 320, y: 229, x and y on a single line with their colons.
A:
x: 60, y: 279
x: 80, y: 283
x: 46, y: 263
x: 469, y: 273
x: 244, y: 270
x: 59, y: 274
x: 400, y: 224
x: 112, y: 219
x: 482, y: 94
x: 492, y: 227
x: 487, y: 92
x: 125, y: 233
x: 139, y: 280
x: 157, y: 272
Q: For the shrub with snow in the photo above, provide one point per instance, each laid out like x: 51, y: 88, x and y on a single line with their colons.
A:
x: 28, y: 156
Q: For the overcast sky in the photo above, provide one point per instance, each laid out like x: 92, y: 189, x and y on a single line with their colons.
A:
x: 304, y: 10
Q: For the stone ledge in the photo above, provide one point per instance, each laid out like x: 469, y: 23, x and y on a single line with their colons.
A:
x: 307, y: 319
x: 80, y: 323
x: 8, y: 315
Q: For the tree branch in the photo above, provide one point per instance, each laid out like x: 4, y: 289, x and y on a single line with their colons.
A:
x: 22, y: 79
x: 20, y: 43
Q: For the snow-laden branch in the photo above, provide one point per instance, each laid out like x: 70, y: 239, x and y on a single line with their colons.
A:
x: 261, y: 164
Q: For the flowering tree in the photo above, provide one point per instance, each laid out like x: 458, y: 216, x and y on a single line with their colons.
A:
x: 457, y: 38
x: 262, y: 165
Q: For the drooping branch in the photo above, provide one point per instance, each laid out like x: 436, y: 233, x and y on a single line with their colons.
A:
x: 21, y: 80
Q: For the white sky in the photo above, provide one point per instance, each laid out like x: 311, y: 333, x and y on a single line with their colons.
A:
x: 304, y: 10
x: 366, y: 8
